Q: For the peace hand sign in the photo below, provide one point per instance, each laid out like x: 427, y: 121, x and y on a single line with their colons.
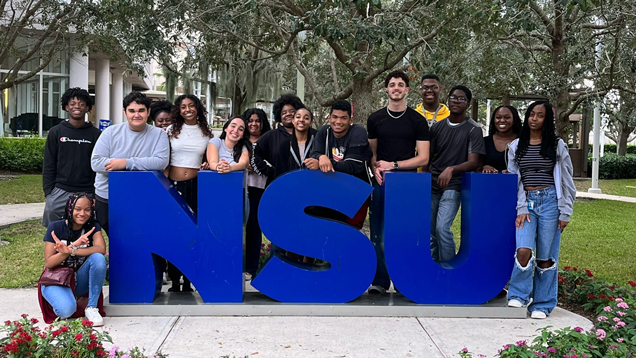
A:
x: 60, y: 246
x: 83, y: 240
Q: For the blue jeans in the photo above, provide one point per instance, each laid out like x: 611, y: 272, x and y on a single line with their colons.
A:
x: 376, y: 226
x: 89, y: 278
x: 542, y: 235
x: 444, y: 207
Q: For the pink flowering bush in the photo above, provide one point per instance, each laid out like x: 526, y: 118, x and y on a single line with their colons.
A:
x: 62, y: 339
x: 614, y: 331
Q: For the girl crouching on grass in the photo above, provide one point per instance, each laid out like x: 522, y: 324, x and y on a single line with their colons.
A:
x: 76, y: 242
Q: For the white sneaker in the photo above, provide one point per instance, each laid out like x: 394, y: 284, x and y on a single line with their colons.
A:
x: 515, y: 303
x: 375, y: 289
x: 538, y: 314
x: 92, y: 314
x: 248, y: 276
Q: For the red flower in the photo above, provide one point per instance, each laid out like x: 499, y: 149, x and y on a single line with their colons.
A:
x: 591, y: 296
x: 589, y: 273
x: 78, y: 337
x: 568, y: 268
x: 93, y: 337
x: 632, y: 283
x: 64, y: 329
x: 7, y: 322
x: 24, y: 315
x: 575, y: 269
x: 87, y: 323
x: 561, y: 280
x: 55, y: 333
x: 603, y: 297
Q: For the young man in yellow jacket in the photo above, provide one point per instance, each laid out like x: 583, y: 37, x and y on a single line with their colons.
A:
x: 431, y: 108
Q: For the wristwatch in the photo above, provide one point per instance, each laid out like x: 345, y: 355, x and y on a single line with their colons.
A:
x: 395, y: 166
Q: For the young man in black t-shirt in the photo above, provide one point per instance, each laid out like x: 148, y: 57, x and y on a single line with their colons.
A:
x: 342, y: 146
x: 395, y: 131
x: 456, y: 144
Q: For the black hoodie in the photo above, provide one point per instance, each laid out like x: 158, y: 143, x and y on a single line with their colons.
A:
x: 266, y: 150
x: 67, y: 158
x: 289, y: 157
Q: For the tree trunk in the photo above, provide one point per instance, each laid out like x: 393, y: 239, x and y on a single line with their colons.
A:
x: 362, y: 102
x: 623, y: 136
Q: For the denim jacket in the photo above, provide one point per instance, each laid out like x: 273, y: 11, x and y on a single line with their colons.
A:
x: 566, y: 191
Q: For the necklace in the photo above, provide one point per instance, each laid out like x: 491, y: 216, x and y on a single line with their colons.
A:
x: 392, y: 116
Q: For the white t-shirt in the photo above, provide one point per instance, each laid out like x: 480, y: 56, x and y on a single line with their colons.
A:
x: 186, y: 151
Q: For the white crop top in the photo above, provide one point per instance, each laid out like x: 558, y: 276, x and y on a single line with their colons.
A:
x: 187, y: 150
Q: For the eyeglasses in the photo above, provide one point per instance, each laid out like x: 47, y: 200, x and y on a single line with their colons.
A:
x: 458, y: 99
x: 429, y: 88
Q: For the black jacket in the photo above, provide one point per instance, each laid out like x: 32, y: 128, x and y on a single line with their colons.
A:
x: 266, y: 150
x: 354, y: 149
x: 67, y: 158
x: 289, y: 157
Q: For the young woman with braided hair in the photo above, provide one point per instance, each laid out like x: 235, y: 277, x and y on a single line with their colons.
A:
x: 76, y: 242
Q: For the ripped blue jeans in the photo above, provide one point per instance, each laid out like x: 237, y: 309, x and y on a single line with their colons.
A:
x: 543, y: 237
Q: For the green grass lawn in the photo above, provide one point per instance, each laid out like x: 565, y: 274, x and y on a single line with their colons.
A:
x: 623, y: 187
x: 600, y: 237
x: 27, y: 188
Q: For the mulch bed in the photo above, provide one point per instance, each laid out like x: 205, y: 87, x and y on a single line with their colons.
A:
x: 578, y: 309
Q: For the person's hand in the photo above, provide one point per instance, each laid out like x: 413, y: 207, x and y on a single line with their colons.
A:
x: 489, y: 169
x: 204, y: 166
x: 378, y: 175
x: 325, y: 164
x: 115, y: 164
x: 311, y: 163
x: 445, y: 177
x: 60, y: 246
x: 83, y: 240
x: 223, y: 167
x: 562, y: 225
x: 521, y: 219
x: 384, y: 165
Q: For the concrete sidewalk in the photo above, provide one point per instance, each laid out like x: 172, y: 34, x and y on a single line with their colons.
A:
x: 16, y: 213
x: 195, y: 337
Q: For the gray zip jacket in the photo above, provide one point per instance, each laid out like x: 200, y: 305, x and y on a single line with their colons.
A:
x: 566, y: 191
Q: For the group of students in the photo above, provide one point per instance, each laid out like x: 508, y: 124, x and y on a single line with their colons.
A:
x: 441, y: 139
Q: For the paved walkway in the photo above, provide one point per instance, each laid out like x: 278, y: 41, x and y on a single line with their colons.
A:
x: 196, y: 337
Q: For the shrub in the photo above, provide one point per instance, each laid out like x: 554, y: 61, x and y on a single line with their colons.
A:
x: 62, y: 339
x: 611, y: 148
x: 612, y: 166
x: 22, y: 154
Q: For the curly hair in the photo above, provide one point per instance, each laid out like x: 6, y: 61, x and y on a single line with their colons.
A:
x: 158, y: 107
x: 78, y: 93
x: 179, y: 120
x: 285, y: 99
x: 549, y: 139
x: 243, y: 142
x: 262, y: 117
x: 396, y: 74
x: 516, y: 120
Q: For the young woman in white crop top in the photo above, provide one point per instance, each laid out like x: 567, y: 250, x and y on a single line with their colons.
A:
x: 189, y: 136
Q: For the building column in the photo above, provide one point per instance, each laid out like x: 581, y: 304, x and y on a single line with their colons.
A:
x: 102, y: 90
x: 117, y: 97
x: 78, y: 70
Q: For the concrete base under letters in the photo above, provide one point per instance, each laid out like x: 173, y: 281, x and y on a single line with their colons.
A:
x: 257, y: 304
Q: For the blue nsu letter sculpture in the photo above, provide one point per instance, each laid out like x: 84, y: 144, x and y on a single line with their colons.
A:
x: 150, y: 221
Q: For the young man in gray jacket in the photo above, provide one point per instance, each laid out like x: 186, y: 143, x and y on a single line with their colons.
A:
x: 134, y: 145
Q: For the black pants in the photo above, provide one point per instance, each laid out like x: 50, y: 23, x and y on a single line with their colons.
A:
x: 101, y: 213
x: 253, y: 234
x: 188, y: 191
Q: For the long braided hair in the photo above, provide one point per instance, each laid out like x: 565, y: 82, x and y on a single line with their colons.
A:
x: 68, y: 213
x: 179, y: 120
x: 549, y: 139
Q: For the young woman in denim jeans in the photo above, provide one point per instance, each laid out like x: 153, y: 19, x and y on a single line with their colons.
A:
x: 545, y: 197
x: 77, y: 242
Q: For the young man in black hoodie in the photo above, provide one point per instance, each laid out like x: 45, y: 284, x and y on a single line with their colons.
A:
x: 342, y: 146
x: 267, y: 147
x: 67, y: 155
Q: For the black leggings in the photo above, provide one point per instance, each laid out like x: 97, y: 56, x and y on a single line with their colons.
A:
x: 253, y: 234
x: 188, y: 191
